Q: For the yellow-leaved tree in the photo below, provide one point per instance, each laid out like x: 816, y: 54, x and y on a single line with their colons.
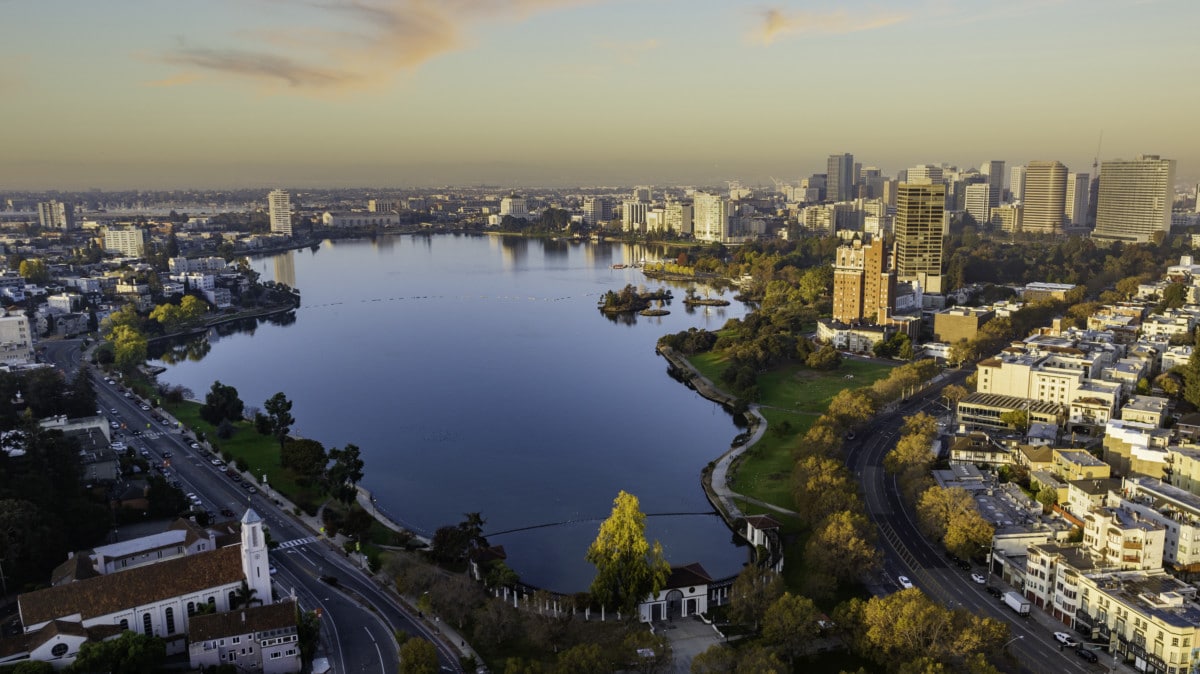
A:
x: 628, y: 568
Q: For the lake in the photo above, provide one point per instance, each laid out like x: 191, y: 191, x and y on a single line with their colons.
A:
x: 476, y: 374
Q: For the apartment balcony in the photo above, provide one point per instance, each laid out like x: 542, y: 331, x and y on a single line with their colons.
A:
x: 1132, y: 545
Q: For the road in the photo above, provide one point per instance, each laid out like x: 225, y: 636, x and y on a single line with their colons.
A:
x: 908, y: 553
x: 359, y: 619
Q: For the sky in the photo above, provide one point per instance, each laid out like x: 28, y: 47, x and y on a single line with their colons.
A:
x: 154, y: 94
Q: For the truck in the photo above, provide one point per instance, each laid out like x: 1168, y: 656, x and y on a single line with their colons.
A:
x: 1017, y: 603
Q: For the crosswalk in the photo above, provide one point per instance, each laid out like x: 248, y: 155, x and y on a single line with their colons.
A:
x: 298, y: 541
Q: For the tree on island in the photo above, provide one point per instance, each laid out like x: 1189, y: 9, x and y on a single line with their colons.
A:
x: 628, y: 568
x: 222, y: 402
x: 279, y: 416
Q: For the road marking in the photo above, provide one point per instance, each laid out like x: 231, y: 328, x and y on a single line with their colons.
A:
x: 382, y: 665
x: 297, y: 541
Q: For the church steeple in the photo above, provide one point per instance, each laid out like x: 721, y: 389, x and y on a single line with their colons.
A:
x: 256, y: 566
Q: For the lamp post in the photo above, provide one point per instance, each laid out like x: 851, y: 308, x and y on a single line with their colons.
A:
x: 1006, y: 643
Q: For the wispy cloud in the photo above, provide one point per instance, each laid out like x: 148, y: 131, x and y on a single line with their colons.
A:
x: 352, y: 44
x: 778, y: 23
x: 175, y: 80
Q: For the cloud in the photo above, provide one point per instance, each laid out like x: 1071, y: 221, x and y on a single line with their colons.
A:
x: 175, y: 80
x: 777, y: 23
x: 351, y: 44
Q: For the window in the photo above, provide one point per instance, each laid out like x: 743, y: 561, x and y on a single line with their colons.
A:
x: 147, y: 625
x: 237, y: 640
x: 191, y: 608
x: 170, y: 615
x: 212, y: 601
x: 232, y: 599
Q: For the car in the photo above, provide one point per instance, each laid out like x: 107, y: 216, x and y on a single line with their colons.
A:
x: 226, y: 512
x: 1084, y: 653
x: 1065, y: 639
x: 218, y: 462
x: 167, y: 454
x: 994, y: 591
x: 272, y: 570
x: 904, y: 582
x: 978, y: 578
x: 235, y: 477
x: 118, y: 446
x: 195, y: 445
x: 145, y: 407
x: 114, y: 410
x: 224, y: 469
x: 964, y: 565
x: 332, y: 580
x: 250, y: 488
x: 128, y: 394
x: 165, y: 422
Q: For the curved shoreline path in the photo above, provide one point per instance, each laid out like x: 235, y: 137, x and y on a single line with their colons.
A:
x: 716, y: 481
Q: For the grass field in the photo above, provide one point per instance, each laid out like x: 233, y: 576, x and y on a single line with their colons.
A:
x: 260, y: 452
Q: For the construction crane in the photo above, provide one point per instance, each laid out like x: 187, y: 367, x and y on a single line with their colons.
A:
x: 1096, y: 159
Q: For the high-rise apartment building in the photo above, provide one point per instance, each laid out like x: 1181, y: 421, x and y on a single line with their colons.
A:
x: 279, y: 205
x: 977, y: 200
x: 710, y: 213
x: 1007, y: 217
x: 16, y: 340
x: 920, y: 209
x: 128, y: 241
x: 56, y: 215
x: 839, y: 177
x: 1016, y: 183
x: 597, y: 210
x: 1134, y: 201
x: 1045, y: 197
x: 934, y: 174
x: 633, y: 215
x: 994, y: 170
x: 679, y: 217
x: 641, y: 193
x: 863, y: 290
x: 1078, y: 189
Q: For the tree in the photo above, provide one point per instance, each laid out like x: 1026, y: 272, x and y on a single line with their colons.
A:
x: 821, y: 486
x: 34, y: 271
x: 305, y: 457
x: 129, y: 347
x: 754, y: 590
x: 583, y: 659
x: 418, y: 656
x: 279, y: 414
x: 842, y: 547
x: 790, y: 624
x: 852, y: 407
x: 718, y: 659
x: 168, y: 315
x: 953, y: 393
x: 1191, y: 377
x: 192, y: 308
x: 130, y: 653
x: 222, y: 402
x: 826, y: 358
x: 950, y: 515
x: 1016, y: 419
x: 346, y: 472
x: 244, y: 596
x: 628, y: 568
x: 308, y: 634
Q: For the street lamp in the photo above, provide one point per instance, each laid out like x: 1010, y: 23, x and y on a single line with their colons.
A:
x: 1006, y: 643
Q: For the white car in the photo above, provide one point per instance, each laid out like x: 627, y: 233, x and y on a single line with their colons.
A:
x: 195, y: 445
x: 978, y: 578
x: 904, y: 582
x: 145, y: 407
x: 1065, y: 639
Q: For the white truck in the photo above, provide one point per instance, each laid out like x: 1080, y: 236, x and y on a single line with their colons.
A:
x: 1017, y: 603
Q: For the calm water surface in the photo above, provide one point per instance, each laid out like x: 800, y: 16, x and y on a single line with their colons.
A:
x: 476, y: 374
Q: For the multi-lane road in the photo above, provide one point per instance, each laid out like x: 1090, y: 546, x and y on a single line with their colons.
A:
x: 358, y: 618
x: 907, y: 552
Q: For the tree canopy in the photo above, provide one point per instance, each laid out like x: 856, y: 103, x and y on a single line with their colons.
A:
x: 222, y: 402
x: 628, y: 568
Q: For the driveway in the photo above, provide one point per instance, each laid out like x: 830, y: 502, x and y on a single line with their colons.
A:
x: 689, y: 637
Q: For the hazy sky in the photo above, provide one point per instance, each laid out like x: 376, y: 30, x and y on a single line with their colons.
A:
x: 177, y: 93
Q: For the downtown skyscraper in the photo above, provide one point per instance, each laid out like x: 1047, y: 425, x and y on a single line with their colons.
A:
x: 1045, y: 197
x: 839, y: 177
x: 920, y: 210
x: 1134, y: 200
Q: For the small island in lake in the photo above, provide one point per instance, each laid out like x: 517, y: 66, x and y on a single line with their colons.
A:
x: 629, y: 299
x: 693, y: 300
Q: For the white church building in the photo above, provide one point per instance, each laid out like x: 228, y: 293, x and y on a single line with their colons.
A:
x: 157, y: 599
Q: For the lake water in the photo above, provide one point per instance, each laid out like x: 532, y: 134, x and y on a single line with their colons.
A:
x: 476, y: 374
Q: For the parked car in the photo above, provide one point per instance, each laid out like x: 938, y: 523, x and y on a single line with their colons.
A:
x: 904, y: 582
x: 235, y: 477
x: 226, y: 512
x: 1084, y: 653
x: 964, y: 565
x: 978, y: 578
x: 995, y: 592
x: 1065, y: 639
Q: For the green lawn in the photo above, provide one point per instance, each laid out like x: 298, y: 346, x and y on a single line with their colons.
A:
x: 260, y: 452
x: 764, y: 470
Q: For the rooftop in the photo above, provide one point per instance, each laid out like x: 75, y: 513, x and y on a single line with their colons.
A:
x: 252, y: 620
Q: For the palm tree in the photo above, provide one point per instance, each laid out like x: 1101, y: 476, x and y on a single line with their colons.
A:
x: 244, y: 596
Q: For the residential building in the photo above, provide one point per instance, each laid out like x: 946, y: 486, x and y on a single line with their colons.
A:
x: 56, y: 215
x: 128, y: 241
x: 64, y: 303
x: 978, y: 201
x: 1145, y: 409
x: 1123, y: 540
x: 1176, y: 510
x: 633, y: 215
x: 1008, y: 217
x: 993, y: 170
x: 920, y: 208
x: 1078, y: 464
x: 862, y: 289
x: 183, y: 265
x: 840, y: 177
x: 679, y: 217
x: 279, y: 207
x: 1016, y: 183
x: 1076, y: 202
x: 1045, y: 197
x: 1134, y: 199
x: 711, y: 215
x: 1149, y: 619
x: 253, y: 639
x: 16, y: 339
x: 1136, y: 449
x: 597, y: 210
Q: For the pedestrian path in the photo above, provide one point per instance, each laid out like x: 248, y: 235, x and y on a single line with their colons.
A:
x: 297, y: 541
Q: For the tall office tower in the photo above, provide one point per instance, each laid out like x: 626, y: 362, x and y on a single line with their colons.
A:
x: 1135, y: 199
x: 641, y: 193
x: 934, y: 174
x: 56, y: 215
x: 871, y: 180
x: 633, y: 215
x: 994, y: 170
x: 1078, y: 189
x: 976, y: 200
x: 1016, y: 183
x: 597, y: 210
x: 1045, y: 197
x: 1198, y: 197
x: 279, y: 204
x: 839, y: 177
x: 710, y: 217
x: 862, y: 290
x: 920, y: 208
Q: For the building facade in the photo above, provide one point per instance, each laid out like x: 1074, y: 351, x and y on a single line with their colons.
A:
x: 1078, y: 191
x: 279, y: 209
x: 1045, y: 197
x: 1134, y: 200
x: 920, y: 209
x: 127, y: 241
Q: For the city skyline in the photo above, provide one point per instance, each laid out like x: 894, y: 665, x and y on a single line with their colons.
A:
x: 297, y: 93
